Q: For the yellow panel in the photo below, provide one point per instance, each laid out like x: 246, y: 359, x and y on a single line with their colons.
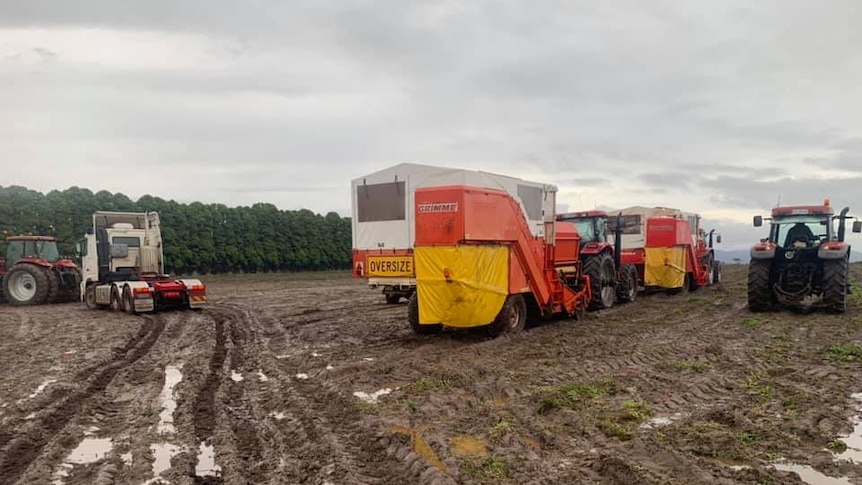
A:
x: 476, y: 290
x: 390, y: 266
x: 664, y: 267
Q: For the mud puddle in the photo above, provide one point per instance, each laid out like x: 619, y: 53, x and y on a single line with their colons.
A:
x: 38, y: 390
x: 173, y: 376
x: 162, y: 454
x: 810, y: 475
x: 206, y: 466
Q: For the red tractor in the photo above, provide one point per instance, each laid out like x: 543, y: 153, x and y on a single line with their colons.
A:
x: 610, y: 279
x: 33, y: 272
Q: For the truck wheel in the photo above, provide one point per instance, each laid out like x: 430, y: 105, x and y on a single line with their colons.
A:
x: 835, y: 285
x: 90, y: 297
x: 116, y: 304
x: 600, y: 269
x: 628, y: 288
x: 413, y: 318
x: 759, y: 291
x: 512, y: 317
x: 26, y: 284
x: 128, y: 303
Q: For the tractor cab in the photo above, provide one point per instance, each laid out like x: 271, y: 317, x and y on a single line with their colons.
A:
x: 592, y: 225
x: 31, y: 248
x: 805, y: 226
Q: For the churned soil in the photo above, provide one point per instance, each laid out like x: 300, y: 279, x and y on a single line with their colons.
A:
x: 316, y: 379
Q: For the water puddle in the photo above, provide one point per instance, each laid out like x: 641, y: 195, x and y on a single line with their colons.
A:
x: 278, y: 416
x: 368, y: 359
x: 315, y: 354
x: 329, y: 367
x: 853, y: 453
x: 236, y: 376
x: 261, y: 376
x: 282, y: 356
x: 810, y: 475
x: 163, y: 452
x: 467, y: 446
x: 61, y: 472
x: 127, y: 458
x: 90, y: 450
x: 38, y: 390
x: 302, y: 375
x: 169, y: 403
x: 91, y: 430
x: 373, y: 397
x: 206, y: 466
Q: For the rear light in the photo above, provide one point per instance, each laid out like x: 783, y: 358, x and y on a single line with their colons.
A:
x: 197, y: 287
x: 141, y: 291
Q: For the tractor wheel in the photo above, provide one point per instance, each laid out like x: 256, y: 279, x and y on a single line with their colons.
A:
x: 72, y: 294
x: 759, y: 291
x: 512, y: 317
x: 90, y: 297
x: 128, y: 303
x: 600, y: 269
x: 413, y: 318
x: 835, y: 285
x: 628, y: 287
x: 26, y: 284
x: 53, y: 286
x: 116, y: 303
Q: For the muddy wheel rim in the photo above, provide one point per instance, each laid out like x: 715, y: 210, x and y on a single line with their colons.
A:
x: 22, y: 286
x: 514, y: 317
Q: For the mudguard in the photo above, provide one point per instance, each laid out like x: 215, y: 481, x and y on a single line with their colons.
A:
x: 197, y: 292
x: 593, y: 248
x: 142, y: 295
x: 833, y: 250
x: 763, y: 251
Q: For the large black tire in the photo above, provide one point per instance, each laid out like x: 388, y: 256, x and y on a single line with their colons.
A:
x: 835, y: 285
x: 26, y: 284
x: 760, y: 298
x: 627, y: 290
x: 716, y: 273
x: 128, y: 303
x: 116, y: 300
x: 90, y: 297
x: 53, y: 286
x: 413, y: 318
x: 600, y: 269
x: 71, y: 293
x: 393, y: 299
x: 512, y: 317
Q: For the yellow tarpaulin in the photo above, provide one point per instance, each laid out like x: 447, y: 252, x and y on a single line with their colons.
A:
x: 664, y: 267
x: 476, y: 289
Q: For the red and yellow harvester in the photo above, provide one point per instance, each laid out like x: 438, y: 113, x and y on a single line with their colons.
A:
x: 479, y: 264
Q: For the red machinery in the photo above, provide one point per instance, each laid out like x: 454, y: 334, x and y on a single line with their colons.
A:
x: 675, y: 257
x: 34, y: 273
x: 479, y: 264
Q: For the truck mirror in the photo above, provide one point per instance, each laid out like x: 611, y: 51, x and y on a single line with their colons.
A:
x: 758, y: 221
x: 718, y: 239
x: 857, y: 226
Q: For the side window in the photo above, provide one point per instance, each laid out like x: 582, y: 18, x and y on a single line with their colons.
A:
x: 531, y: 197
x: 631, y: 223
x: 381, y: 202
x: 128, y: 241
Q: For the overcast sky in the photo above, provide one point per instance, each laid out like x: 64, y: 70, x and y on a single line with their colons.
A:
x: 714, y: 107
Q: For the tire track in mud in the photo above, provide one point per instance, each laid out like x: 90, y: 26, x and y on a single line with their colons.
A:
x: 318, y: 435
x: 27, y: 445
x: 204, y: 407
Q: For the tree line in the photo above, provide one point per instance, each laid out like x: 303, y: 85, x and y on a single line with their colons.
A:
x: 201, y: 238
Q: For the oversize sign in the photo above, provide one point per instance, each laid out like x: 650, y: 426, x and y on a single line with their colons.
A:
x: 390, y: 266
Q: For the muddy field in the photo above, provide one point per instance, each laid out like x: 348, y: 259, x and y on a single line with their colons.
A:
x: 314, y: 379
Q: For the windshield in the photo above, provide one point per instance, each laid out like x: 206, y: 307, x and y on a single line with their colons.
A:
x: 587, y: 228
x: 46, y: 250
x: 801, y: 230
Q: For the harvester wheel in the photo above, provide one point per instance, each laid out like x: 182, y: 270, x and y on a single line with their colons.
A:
x: 512, y: 317
x: 835, y: 285
x: 759, y: 293
x: 413, y: 318
x: 393, y: 299
x: 116, y: 303
x: 26, y: 284
x: 90, y: 297
x: 600, y: 269
x: 128, y: 303
x: 628, y: 288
